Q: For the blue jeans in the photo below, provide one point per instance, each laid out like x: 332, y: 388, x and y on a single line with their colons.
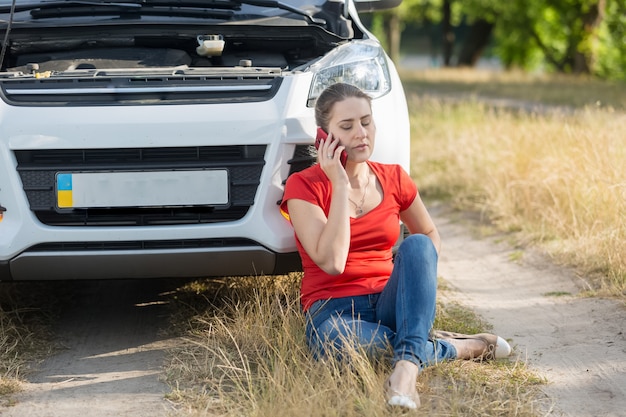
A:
x: 401, y: 316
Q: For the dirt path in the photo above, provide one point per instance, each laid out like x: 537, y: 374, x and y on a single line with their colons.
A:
x: 111, y: 359
x: 577, y: 344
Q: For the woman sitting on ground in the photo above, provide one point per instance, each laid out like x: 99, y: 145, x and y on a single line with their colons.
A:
x: 346, y: 221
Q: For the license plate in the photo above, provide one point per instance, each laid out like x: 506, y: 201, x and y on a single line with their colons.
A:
x: 142, y: 189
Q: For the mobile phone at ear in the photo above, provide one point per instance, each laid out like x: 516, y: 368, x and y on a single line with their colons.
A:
x: 321, y: 134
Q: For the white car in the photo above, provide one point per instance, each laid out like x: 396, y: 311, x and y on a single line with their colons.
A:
x: 152, y: 138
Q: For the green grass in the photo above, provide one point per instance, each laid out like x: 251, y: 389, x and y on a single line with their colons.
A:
x: 558, y: 294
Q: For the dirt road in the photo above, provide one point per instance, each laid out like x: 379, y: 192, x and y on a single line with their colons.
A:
x: 578, y: 344
x: 111, y: 357
x: 114, y: 351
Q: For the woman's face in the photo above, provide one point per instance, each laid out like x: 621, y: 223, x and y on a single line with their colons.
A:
x: 352, y: 123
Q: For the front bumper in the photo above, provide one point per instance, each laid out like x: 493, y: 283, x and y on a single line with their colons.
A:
x: 242, y: 261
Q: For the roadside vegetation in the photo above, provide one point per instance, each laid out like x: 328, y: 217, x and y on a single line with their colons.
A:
x: 568, y: 37
x: 530, y: 91
x: 11, y: 340
x: 553, y: 176
x: 24, y: 336
x: 245, y: 355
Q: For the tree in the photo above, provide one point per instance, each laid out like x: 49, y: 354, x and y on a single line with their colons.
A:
x: 553, y: 32
x: 475, y: 42
x: 448, y: 33
x: 388, y: 25
x: 572, y: 36
x: 608, y: 48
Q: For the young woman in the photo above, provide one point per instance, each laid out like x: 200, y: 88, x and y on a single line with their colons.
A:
x: 346, y: 221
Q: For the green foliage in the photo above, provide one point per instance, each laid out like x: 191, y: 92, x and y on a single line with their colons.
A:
x: 421, y: 11
x: 542, y: 32
x: 610, y: 45
x: 428, y: 11
x: 514, y: 43
x: 483, y: 9
x: 569, y: 36
x: 377, y: 27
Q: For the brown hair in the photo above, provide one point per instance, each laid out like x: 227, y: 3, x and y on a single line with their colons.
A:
x: 330, y: 96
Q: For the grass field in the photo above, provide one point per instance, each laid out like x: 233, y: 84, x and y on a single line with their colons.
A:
x: 554, y: 176
x: 567, y: 92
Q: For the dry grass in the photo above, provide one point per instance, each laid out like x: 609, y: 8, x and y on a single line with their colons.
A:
x: 23, y: 337
x: 11, y: 337
x: 558, y: 178
x: 526, y: 88
x: 246, y: 356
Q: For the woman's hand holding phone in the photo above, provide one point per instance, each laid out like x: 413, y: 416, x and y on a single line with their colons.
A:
x: 330, y: 147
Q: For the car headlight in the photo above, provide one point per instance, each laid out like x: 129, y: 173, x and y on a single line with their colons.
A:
x: 360, y: 63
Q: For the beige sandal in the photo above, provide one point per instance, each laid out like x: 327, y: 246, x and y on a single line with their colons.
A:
x: 497, y: 347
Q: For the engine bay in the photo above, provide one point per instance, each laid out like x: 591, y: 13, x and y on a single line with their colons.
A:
x: 284, y: 48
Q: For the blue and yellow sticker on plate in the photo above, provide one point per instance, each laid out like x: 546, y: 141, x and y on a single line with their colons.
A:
x: 64, y: 191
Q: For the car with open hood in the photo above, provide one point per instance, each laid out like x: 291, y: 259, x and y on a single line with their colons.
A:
x: 153, y: 138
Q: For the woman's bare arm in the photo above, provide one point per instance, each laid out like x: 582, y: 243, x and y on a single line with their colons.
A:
x: 325, y: 240
x: 418, y: 220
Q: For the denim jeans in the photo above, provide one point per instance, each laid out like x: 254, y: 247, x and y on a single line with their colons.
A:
x: 401, y: 316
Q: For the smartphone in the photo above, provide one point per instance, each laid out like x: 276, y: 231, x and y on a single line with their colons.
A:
x: 321, y: 134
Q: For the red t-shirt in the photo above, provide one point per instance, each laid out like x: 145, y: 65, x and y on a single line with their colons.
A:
x: 372, y: 236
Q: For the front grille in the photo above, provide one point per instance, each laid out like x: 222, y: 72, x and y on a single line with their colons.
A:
x: 38, y: 169
x: 304, y: 156
x: 102, y: 89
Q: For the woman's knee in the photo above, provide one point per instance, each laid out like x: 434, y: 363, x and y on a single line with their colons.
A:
x: 417, y: 245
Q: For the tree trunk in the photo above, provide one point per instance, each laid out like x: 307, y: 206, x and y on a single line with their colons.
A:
x: 448, y: 33
x: 584, y: 59
x: 475, y: 42
x: 393, y: 25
